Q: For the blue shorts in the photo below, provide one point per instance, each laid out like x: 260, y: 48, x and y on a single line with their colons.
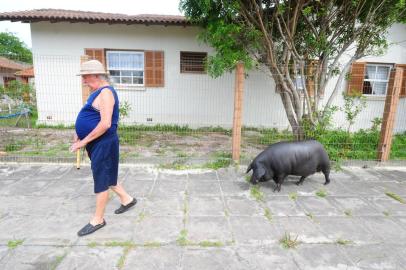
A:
x: 104, y: 156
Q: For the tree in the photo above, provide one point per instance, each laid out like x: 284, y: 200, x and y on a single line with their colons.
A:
x: 13, y: 48
x: 300, y: 43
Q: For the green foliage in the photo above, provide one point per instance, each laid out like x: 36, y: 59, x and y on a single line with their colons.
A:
x: 395, y: 197
x: 221, y: 160
x: 124, y: 109
x: 13, y: 48
x: 12, y: 244
x: 289, y: 241
x: 353, y: 105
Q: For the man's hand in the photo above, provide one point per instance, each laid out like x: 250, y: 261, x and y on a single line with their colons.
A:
x: 77, y: 145
x: 75, y: 138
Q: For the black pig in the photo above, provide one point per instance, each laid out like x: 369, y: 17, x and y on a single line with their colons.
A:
x: 281, y: 159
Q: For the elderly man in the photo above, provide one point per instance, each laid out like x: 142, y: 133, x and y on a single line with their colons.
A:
x: 96, y: 129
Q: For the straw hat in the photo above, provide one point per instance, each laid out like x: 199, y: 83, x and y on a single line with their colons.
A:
x: 92, y: 67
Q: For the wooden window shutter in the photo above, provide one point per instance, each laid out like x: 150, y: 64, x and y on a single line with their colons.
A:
x: 356, y: 80
x: 96, y: 54
x: 403, y: 87
x: 154, y: 68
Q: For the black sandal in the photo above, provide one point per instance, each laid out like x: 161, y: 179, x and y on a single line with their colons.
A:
x: 125, y: 208
x: 89, y: 228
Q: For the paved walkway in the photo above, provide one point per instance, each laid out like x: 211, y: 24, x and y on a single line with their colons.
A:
x: 203, y: 220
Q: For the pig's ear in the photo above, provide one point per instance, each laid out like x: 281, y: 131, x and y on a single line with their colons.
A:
x: 260, y: 172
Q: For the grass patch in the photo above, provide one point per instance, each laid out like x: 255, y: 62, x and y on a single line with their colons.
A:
x: 221, y: 160
x: 119, y: 244
x: 348, y: 213
x: 152, y: 244
x: 247, y: 178
x: 92, y: 244
x: 386, y: 213
x: 211, y: 244
x: 322, y: 193
x: 182, y: 239
x: 293, y: 196
x: 310, y: 215
x: 268, y: 214
x: 121, y: 260
x: 256, y: 193
x: 12, y: 244
x: 395, y: 197
x: 288, y: 241
x: 58, y: 261
x: 344, y: 242
x: 179, y: 164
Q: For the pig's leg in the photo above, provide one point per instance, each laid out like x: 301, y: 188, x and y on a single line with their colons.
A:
x: 301, y: 180
x: 279, y: 181
x: 326, y: 173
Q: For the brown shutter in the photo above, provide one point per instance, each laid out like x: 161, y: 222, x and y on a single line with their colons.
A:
x: 97, y: 54
x: 403, y: 87
x: 356, y: 80
x: 154, y: 68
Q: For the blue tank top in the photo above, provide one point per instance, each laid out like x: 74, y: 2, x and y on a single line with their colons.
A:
x: 89, y: 117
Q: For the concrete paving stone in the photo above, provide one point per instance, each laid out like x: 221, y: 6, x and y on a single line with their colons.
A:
x: 208, y: 229
x: 18, y: 172
x: 401, y: 254
x: 395, y: 187
x: 234, y: 188
x: 231, y: 174
x: 118, y: 228
x: 289, y: 186
x: 363, y: 174
x: 37, y: 206
x: 206, y: 206
x: 62, y: 188
x: 140, y: 173
x: 267, y: 257
x: 33, y: 257
x: 373, y: 257
x: 213, y: 258
x: 168, y: 206
x: 91, y: 258
x: 321, y: 257
x: 392, y: 174
x: 318, y: 206
x: 83, y: 174
x: 343, y: 175
x: 389, y: 205
x: 386, y: 229
x: 172, y: 175
x: 162, y: 258
x: 138, y: 188
x: 4, y: 185
x: 204, y: 188
x: 57, y: 230
x: 283, y: 206
x: 51, y: 172
x: 169, y: 188
x: 25, y: 186
x: 205, y: 176
x: 254, y: 230
x: 355, y: 206
x: 303, y: 228
x: 19, y: 228
x: 352, y: 229
x: 242, y: 206
x: 158, y: 229
x: 3, y: 252
x: 366, y: 189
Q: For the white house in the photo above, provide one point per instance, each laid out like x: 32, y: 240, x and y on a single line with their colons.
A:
x: 156, y: 64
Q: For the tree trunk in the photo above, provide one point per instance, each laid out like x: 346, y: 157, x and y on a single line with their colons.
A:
x: 294, y: 120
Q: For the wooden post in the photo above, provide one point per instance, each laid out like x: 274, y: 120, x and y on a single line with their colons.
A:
x: 238, y: 95
x: 389, y: 114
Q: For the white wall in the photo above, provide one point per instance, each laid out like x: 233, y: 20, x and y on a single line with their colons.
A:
x: 193, y: 99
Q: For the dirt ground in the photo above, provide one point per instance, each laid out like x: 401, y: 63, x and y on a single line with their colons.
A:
x: 135, y: 145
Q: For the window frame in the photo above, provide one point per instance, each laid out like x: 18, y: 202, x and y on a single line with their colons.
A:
x: 136, y: 52
x: 182, y: 65
x: 376, y: 65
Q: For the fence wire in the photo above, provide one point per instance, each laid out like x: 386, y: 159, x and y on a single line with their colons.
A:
x: 187, y: 120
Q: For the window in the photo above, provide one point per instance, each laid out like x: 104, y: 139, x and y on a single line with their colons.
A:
x: 192, y: 62
x: 376, y: 79
x: 126, y: 67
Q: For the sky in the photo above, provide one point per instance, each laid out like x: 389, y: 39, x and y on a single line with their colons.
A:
x: 129, y: 7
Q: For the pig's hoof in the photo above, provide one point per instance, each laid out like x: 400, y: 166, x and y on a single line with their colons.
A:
x: 299, y: 183
x: 326, y: 183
